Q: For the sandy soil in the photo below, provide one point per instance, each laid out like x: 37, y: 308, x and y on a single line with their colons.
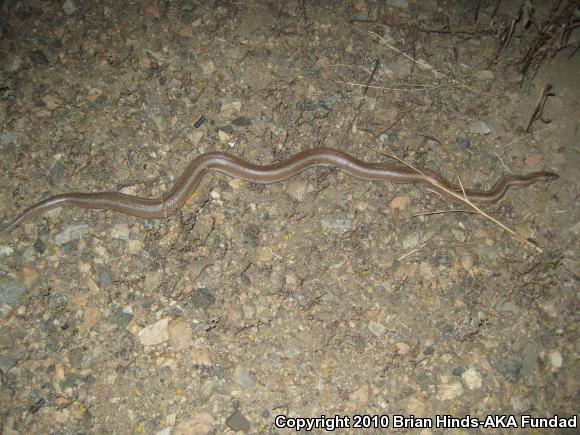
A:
x: 323, y: 295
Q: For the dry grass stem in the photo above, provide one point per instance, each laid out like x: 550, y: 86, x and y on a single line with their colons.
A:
x: 418, y: 88
x: 463, y: 198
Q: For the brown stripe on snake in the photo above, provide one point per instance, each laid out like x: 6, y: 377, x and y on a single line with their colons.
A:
x: 235, y: 167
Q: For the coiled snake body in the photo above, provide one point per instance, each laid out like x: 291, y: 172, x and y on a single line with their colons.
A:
x: 233, y: 166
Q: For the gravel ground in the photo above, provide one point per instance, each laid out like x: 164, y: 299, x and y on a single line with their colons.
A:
x: 322, y: 295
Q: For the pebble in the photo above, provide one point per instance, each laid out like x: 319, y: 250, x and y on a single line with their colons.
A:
x: 520, y: 403
x: 400, y: 202
x: 410, y: 241
x: 265, y: 254
x: 549, y: 308
x: 243, y: 378
x: 200, y: 424
x: 122, y: 317
x: 510, y: 307
x: 134, y: 247
x: 120, y: 231
x: 71, y: 233
x: 402, y: 348
x: 360, y: 396
x: 338, y: 224
x: 156, y: 333
x: 6, y: 250
x: 401, y: 4
x: 472, y: 378
x: 229, y: 107
x: 376, y: 328
x: 464, y: 142
x: 238, y: 422
x: 555, y: 359
x: 479, y: 127
x: 27, y: 274
x: 207, y: 68
x: 152, y: 9
x: 11, y: 291
x: 202, y: 298
x: 180, y: 334
x: 449, y: 391
x: 69, y: 8
x: 241, y: 121
x: 298, y: 189
x: 484, y: 75
x: 152, y: 281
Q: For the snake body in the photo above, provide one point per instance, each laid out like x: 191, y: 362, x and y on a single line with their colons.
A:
x: 235, y: 167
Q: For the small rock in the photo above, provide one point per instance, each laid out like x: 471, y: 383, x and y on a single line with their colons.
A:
x: 360, y: 396
x: 229, y: 107
x: 298, y: 189
x: 402, y: 348
x: 224, y: 137
x: 201, y: 357
x: 69, y: 8
x: 510, y: 307
x: 265, y: 255
x: 338, y: 224
x: 241, y: 121
x: 39, y: 246
x: 400, y: 203
x: 152, y: 281
x: 520, y: 403
x: 202, y: 298
x: 401, y: 4
x: 122, y: 317
x: 156, y: 333
x: 464, y: 142
x: 479, y: 127
x: 555, y: 359
x: 91, y: 316
x: 533, y: 160
x: 28, y: 274
x: 450, y: 391
x: 376, y: 328
x: 6, y: 250
x: 10, y: 292
x: 458, y: 234
x: 484, y: 75
x: 410, y: 241
x: 415, y: 406
x: 152, y: 9
x: 243, y: 378
x: 70, y: 233
x: 549, y: 308
x: 238, y: 422
x: 180, y: 334
x: 200, y: 424
x: 120, y: 231
x: 207, y: 68
x: 134, y: 247
x: 472, y: 378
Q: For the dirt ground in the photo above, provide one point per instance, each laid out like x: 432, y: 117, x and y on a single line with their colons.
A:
x: 323, y: 295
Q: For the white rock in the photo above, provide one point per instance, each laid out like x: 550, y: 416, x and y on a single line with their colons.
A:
x: 555, y: 359
x: 156, y: 333
x: 479, y: 127
x: 450, y: 391
x: 472, y: 378
x: 70, y: 233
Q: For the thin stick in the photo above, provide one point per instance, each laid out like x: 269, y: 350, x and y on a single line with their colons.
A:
x: 418, y: 88
x: 428, y: 213
x: 466, y: 200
